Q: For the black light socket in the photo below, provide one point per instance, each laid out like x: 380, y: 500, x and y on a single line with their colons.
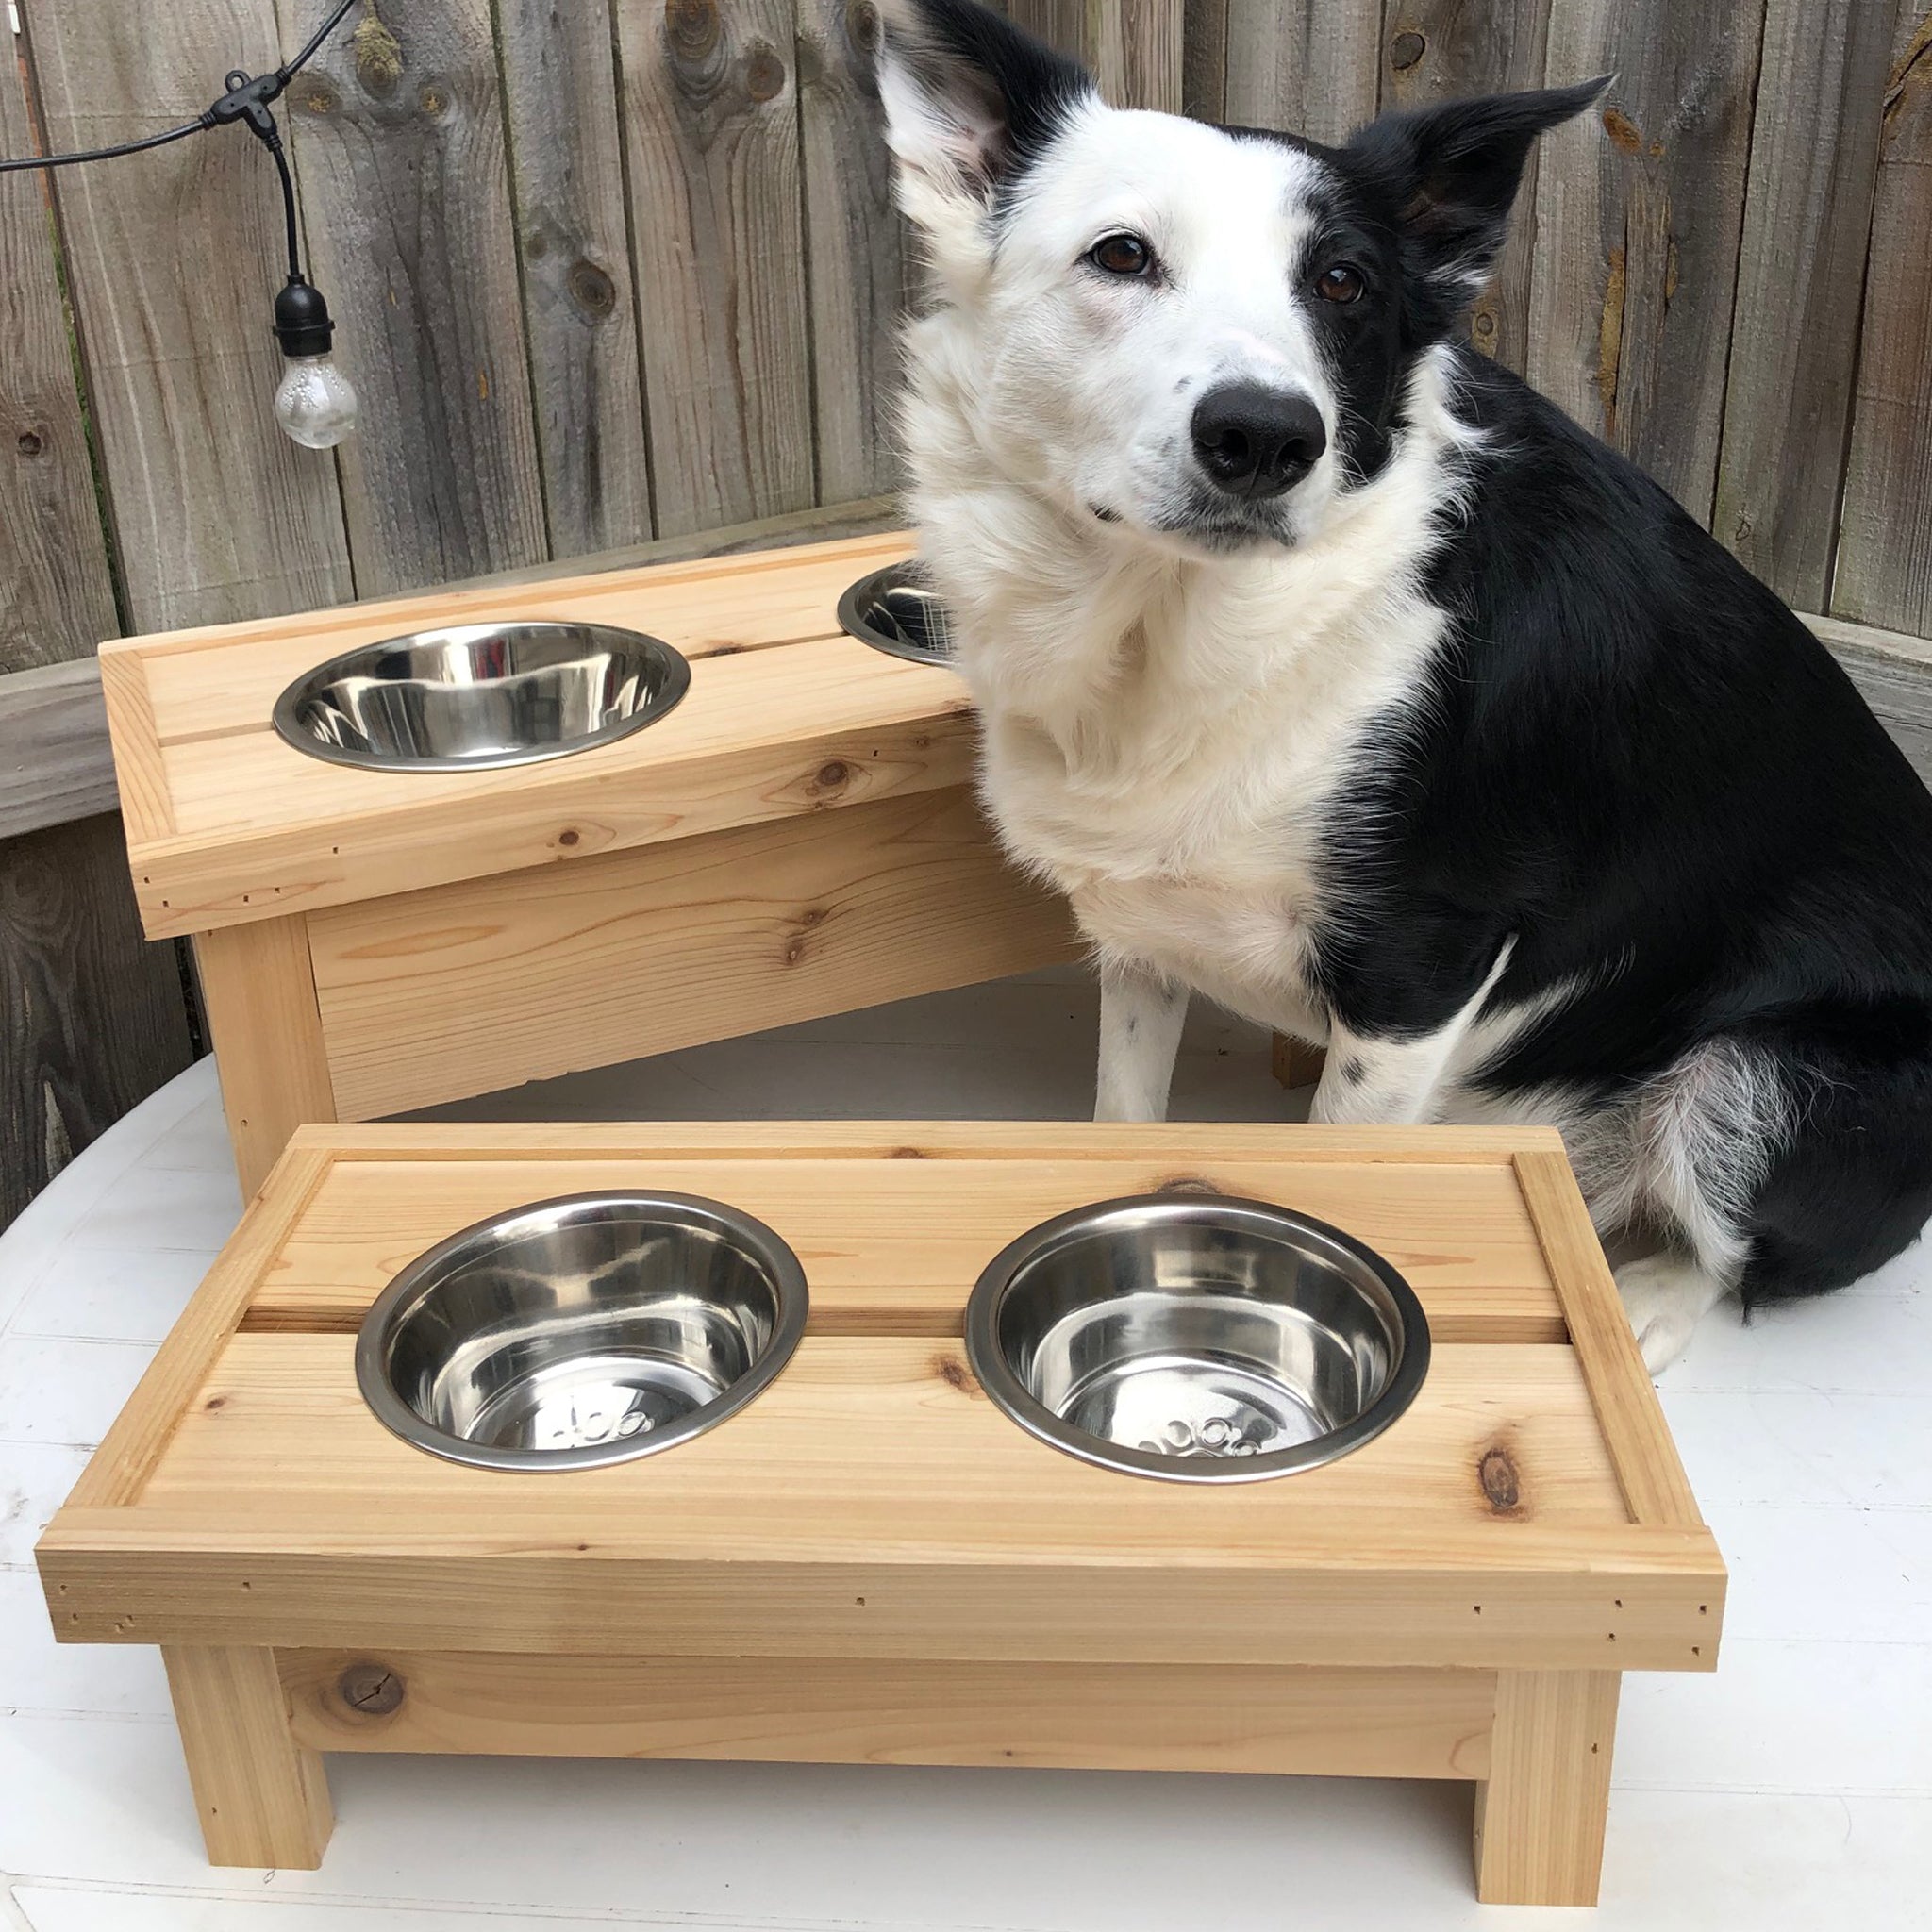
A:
x: 302, y: 320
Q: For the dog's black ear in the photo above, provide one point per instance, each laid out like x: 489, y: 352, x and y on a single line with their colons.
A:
x: 968, y: 96
x: 1454, y: 171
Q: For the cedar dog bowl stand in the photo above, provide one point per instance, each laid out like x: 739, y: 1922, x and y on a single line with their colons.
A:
x: 871, y: 1560
x: 552, y: 827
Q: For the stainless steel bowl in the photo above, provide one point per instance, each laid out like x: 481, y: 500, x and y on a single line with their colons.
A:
x: 481, y: 695
x: 581, y: 1331
x: 895, y: 610
x: 1200, y: 1340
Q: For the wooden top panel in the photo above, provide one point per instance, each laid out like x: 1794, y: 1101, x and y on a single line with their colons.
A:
x: 232, y: 824
x: 896, y: 1246
x: 248, y: 1458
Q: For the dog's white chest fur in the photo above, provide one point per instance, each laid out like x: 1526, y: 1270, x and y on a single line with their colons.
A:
x: 1166, y: 739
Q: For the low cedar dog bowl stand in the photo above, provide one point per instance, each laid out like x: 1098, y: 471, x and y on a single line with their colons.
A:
x: 795, y: 836
x: 871, y: 1561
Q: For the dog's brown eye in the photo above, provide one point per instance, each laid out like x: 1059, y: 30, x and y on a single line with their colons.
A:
x: 1340, y: 283
x: 1122, y: 254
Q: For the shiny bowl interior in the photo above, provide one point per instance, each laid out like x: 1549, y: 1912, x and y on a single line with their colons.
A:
x: 896, y: 610
x: 481, y: 695
x: 1198, y: 1340
x: 582, y: 1331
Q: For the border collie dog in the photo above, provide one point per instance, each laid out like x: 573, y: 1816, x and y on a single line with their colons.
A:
x: 1332, y: 672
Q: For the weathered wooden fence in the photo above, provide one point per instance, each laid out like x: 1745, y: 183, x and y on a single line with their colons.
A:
x: 607, y: 270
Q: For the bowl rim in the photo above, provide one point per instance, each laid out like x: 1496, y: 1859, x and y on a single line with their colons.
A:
x: 896, y: 577
x: 417, y: 1278
x: 989, y: 1362
x: 671, y: 663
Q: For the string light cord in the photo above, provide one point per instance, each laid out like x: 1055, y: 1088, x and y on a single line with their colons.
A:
x: 246, y: 96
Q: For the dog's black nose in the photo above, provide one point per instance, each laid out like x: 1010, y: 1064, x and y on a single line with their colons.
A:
x: 1256, y: 441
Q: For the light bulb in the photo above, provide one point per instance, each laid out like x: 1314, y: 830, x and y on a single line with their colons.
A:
x: 316, y: 402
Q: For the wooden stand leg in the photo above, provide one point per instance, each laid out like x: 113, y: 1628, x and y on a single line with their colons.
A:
x: 258, y: 990
x: 263, y: 1798
x: 1297, y: 1064
x: 1539, y: 1815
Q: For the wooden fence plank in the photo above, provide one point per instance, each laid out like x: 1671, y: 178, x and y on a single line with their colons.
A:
x: 1311, y: 66
x: 91, y: 1018
x: 560, y: 78
x: 1639, y: 210
x: 406, y: 197
x: 1794, y: 342
x: 57, y: 599
x: 1203, y: 60
x: 1436, y: 50
x: 855, y: 245
x: 1137, y: 52
x: 713, y: 135
x: 1885, y: 544
x: 174, y: 259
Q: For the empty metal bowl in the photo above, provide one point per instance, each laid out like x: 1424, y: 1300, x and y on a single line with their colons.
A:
x: 1203, y: 1340
x: 481, y: 695
x: 895, y: 610
x: 582, y: 1331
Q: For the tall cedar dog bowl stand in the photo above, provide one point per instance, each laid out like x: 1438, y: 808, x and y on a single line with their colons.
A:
x: 870, y: 1563
x: 797, y: 838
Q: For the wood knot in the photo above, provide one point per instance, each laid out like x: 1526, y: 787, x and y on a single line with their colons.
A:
x: 692, y: 28
x: 591, y: 290
x: 1484, y: 323
x: 1186, y: 1184
x: 1623, y: 132
x: 764, y: 73
x: 370, y: 1690
x: 1501, y: 1485
x: 862, y: 26
x: 834, y: 777
x: 952, y: 1371
x: 1406, y: 49
x: 433, y: 100
x: 214, y: 1403
x: 315, y: 97
x: 28, y: 443
x: 909, y: 1154
x: 568, y: 836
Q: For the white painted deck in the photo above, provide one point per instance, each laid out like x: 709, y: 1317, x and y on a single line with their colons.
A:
x: 1792, y: 1793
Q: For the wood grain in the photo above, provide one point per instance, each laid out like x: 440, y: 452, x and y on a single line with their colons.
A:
x: 1204, y: 60
x: 118, y: 1471
x: 1653, y: 1482
x: 1637, y: 214
x: 1885, y: 544
x: 1795, y: 337
x: 263, y: 1798
x: 711, y: 116
x: 1308, y: 66
x: 57, y: 600
x: 855, y: 248
x: 559, y: 85
x: 701, y: 938
x: 55, y: 761
x: 1438, y: 50
x: 1540, y: 1814
x: 829, y: 1711
x: 1461, y: 1235
x: 406, y: 196
x: 171, y: 264
x: 258, y: 990
x: 91, y: 1018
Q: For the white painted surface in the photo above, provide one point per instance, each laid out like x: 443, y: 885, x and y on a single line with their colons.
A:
x: 1792, y: 1793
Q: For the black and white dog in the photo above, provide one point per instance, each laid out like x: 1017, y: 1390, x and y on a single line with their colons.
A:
x: 1331, y: 671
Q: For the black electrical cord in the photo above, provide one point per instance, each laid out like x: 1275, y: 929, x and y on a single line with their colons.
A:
x: 244, y: 96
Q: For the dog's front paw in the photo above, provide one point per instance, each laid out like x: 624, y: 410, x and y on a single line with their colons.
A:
x: 1665, y: 1296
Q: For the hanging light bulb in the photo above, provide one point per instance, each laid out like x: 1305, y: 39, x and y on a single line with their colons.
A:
x: 316, y: 402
